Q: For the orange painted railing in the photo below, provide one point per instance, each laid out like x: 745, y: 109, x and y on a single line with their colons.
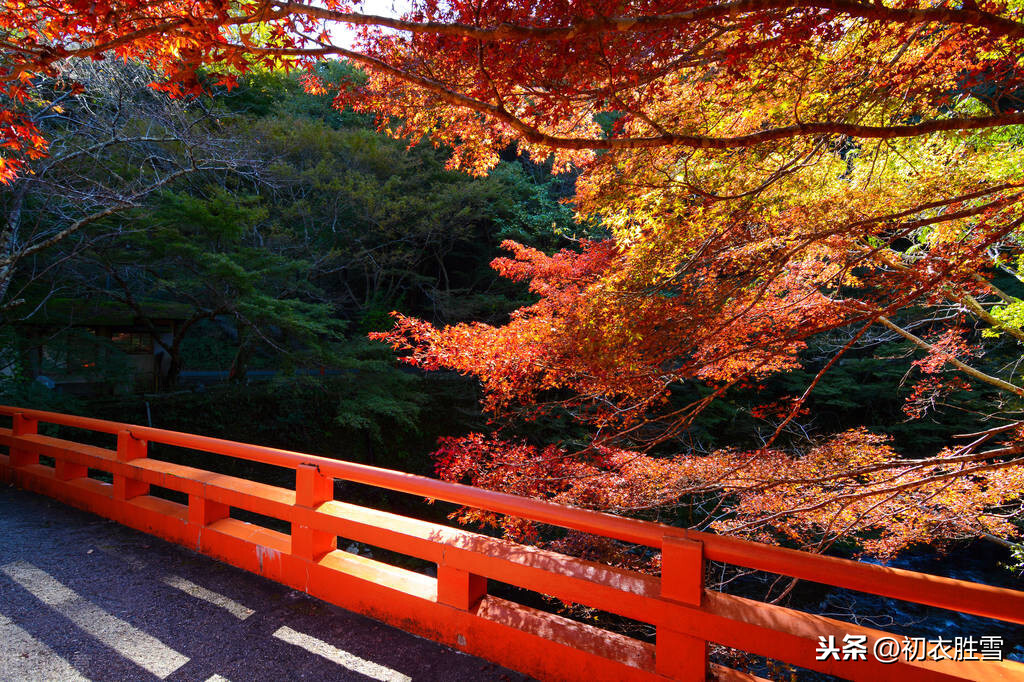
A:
x: 454, y: 608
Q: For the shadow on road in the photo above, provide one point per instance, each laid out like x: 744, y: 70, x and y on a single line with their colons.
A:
x: 83, y: 598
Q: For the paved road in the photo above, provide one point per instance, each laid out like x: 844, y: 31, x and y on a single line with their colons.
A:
x: 83, y: 598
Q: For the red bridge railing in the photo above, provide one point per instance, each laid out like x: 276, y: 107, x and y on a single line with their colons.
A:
x: 454, y: 608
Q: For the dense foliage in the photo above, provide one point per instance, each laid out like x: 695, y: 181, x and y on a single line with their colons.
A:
x: 274, y: 267
x: 780, y: 187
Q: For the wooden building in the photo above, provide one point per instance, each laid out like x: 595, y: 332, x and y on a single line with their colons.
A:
x: 98, y: 347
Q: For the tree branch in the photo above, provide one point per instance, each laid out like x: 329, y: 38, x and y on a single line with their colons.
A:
x: 534, y: 135
x: 967, y: 369
x: 578, y: 27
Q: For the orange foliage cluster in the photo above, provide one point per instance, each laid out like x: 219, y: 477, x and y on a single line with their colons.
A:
x: 932, y: 387
x: 856, y: 482
x: 600, y: 329
x: 622, y: 321
x: 20, y: 140
x: 852, y: 482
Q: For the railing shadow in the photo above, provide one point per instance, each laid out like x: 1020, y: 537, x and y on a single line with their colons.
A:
x: 86, y: 598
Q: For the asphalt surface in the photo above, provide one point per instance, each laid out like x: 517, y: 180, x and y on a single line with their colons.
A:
x: 83, y: 598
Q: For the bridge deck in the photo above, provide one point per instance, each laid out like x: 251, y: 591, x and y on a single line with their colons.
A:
x: 82, y: 597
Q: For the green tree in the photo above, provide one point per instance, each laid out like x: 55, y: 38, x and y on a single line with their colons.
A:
x: 204, y: 249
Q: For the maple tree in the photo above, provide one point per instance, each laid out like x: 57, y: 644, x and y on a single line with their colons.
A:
x: 767, y: 170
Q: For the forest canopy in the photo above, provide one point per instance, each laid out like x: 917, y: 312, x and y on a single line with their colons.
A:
x: 778, y: 186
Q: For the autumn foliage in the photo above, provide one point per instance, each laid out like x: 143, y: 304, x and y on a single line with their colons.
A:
x: 762, y: 172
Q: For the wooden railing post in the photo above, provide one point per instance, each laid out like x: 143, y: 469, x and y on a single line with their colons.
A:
x: 311, y: 490
x: 678, y: 655
x: 203, y: 512
x: 128, y: 448
x: 459, y: 588
x: 23, y: 426
x: 66, y: 471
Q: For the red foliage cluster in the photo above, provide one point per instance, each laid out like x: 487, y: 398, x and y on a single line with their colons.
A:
x: 929, y: 390
x: 852, y: 482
